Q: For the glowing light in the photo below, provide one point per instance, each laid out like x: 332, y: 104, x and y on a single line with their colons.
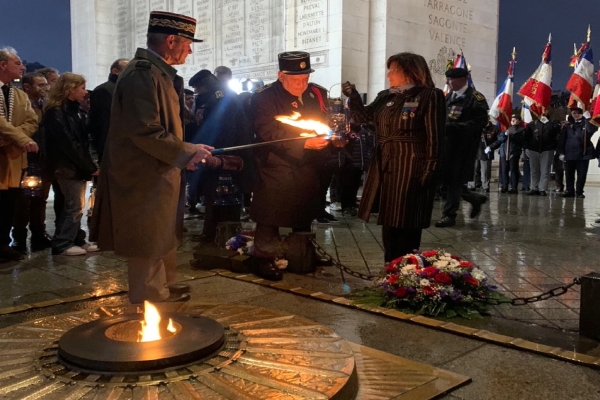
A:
x: 308, y: 124
x: 150, y: 325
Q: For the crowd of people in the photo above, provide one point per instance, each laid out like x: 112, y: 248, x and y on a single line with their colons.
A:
x: 155, y: 149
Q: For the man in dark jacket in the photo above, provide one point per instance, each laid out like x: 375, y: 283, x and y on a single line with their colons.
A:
x: 485, y: 156
x: 286, y: 193
x: 465, y: 119
x: 576, y: 149
x: 510, y: 143
x: 222, y: 123
x: 100, y: 103
x: 540, y: 140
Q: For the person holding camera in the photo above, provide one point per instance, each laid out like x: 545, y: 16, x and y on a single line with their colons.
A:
x: 409, y: 119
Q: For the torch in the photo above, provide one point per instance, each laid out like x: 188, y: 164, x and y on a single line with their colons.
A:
x: 319, y: 129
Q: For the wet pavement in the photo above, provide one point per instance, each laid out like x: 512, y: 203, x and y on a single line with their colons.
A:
x: 526, y: 244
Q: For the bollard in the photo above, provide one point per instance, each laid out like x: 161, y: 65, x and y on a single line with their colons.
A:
x: 589, y: 306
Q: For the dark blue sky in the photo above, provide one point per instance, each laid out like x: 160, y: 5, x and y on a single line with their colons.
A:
x: 40, y: 31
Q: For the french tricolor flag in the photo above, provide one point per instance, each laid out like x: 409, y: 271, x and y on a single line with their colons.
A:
x: 501, y: 109
x: 581, y: 82
x: 595, y: 105
x: 538, y: 88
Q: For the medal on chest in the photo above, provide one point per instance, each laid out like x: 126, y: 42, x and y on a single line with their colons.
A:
x: 455, y: 112
x: 295, y: 104
x: 409, y: 109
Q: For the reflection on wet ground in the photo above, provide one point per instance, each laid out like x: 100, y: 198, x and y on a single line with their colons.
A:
x: 526, y: 244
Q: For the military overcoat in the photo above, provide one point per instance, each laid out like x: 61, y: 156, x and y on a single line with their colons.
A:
x: 140, y: 176
x: 286, y: 191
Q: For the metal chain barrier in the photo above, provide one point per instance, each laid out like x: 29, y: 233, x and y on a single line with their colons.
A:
x: 323, y: 254
x: 518, y: 301
x: 521, y: 301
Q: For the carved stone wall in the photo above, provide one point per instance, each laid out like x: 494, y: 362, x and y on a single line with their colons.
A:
x: 347, y: 39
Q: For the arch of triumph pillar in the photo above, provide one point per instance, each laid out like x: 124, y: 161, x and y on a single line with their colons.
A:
x: 347, y: 39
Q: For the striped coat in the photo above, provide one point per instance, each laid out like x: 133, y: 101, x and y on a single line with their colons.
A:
x: 399, y: 183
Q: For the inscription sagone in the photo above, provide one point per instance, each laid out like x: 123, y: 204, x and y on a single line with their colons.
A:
x: 311, y: 23
x: 449, y: 21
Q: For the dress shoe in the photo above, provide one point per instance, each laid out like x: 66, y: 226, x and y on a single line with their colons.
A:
x: 90, y: 248
x: 477, y: 207
x: 533, y: 193
x: 74, y: 251
x: 524, y: 189
x: 445, y: 222
x: 349, y: 212
x: 40, y: 242
x: 325, y: 215
x: 512, y: 191
x: 560, y: 189
x: 580, y: 196
x: 568, y: 194
x: 21, y: 247
x: 543, y: 193
x: 177, y: 298
x: 179, y: 288
x: 266, y: 270
x: 7, y: 253
x: 504, y: 190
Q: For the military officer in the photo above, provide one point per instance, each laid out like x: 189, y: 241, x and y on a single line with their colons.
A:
x: 286, y: 193
x: 465, y: 119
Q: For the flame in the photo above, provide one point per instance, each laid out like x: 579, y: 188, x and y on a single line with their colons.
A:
x: 150, y: 325
x: 309, y: 124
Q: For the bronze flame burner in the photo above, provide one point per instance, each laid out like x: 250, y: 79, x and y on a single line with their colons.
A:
x: 110, y: 344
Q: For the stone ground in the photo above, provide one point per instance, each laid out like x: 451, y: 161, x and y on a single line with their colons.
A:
x: 526, y: 244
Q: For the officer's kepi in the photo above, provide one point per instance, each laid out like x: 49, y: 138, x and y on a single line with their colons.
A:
x: 456, y: 73
x: 294, y: 63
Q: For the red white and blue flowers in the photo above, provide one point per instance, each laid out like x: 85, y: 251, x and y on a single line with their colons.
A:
x: 435, y: 283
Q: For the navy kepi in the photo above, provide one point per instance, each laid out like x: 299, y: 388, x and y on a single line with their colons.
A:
x: 295, y: 63
x: 456, y: 73
x: 172, y: 24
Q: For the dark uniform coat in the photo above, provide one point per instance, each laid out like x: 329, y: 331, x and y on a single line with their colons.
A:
x: 399, y: 181
x: 286, y: 192
x: 140, y: 177
x: 99, y: 116
x: 488, y: 138
x: 466, y: 117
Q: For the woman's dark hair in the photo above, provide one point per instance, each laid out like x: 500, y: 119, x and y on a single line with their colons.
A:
x: 414, y: 68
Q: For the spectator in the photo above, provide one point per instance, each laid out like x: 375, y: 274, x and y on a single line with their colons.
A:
x: 31, y: 210
x: 69, y: 158
x: 100, y: 103
x: 18, y: 124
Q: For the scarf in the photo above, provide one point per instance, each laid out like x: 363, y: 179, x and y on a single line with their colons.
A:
x: 11, y: 102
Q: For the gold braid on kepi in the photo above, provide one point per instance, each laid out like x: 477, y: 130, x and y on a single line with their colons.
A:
x: 173, y: 24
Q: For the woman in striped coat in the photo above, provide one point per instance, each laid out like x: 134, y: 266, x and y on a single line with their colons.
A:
x: 409, y: 118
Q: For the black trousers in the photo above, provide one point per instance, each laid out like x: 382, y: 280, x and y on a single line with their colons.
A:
x: 8, y: 205
x: 510, y: 172
x: 399, y: 241
x: 326, y: 174
x: 581, y: 167
x: 350, y: 180
x: 31, y: 210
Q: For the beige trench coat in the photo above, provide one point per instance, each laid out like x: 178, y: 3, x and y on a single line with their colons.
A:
x: 13, y: 136
x: 139, y: 186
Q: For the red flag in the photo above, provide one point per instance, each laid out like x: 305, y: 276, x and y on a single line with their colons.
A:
x: 595, y: 105
x: 538, y: 88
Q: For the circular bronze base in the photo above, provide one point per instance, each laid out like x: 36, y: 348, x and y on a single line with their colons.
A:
x: 88, y: 347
